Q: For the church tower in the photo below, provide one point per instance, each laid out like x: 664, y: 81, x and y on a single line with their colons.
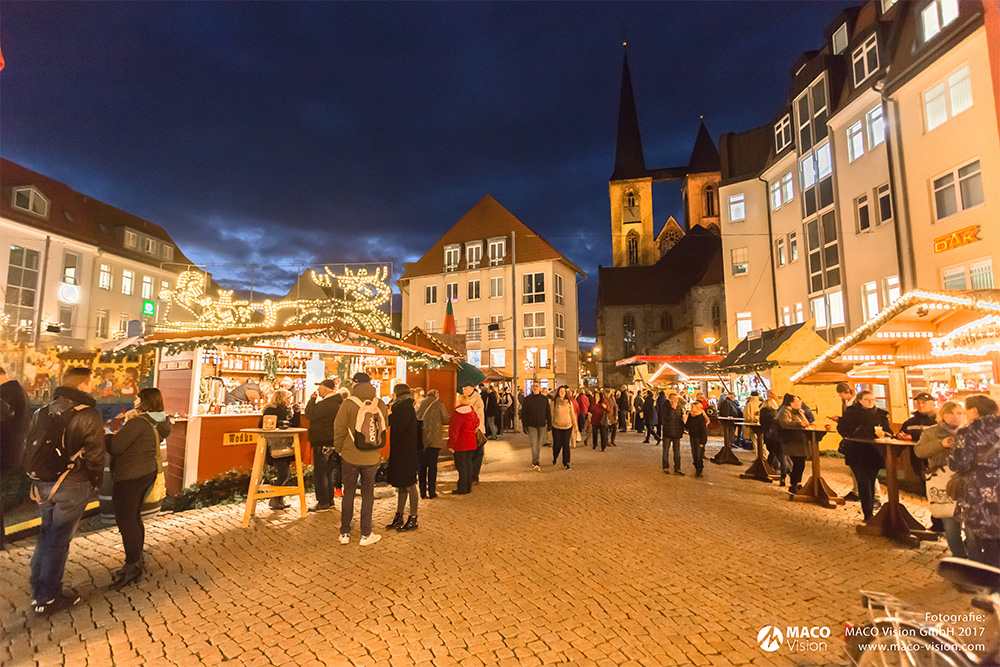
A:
x: 631, y: 188
x: 701, y: 184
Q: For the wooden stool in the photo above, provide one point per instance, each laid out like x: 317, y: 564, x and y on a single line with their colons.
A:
x: 258, y: 490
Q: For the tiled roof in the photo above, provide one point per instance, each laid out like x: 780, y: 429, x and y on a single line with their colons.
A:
x: 79, y: 217
x: 486, y: 220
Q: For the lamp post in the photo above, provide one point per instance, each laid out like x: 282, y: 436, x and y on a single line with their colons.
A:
x: 709, y: 341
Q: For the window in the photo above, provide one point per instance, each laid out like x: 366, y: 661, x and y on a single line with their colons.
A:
x: 737, y: 208
x: 474, y: 357
x: 884, y: 197
x: 977, y: 275
x: 787, y: 188
x: 810, y: 115
x: 560, y: 325
x: 30, y: 200
x: 534, y: 325
x: 451, y: 291
x: 123, y: 320
x: 782, y: 134
x: 779, y: 252
x: 840, y: 39
x: 497, y: 332
x: 824, y: 162
x: 628, y: 331
x: 786, y: 316
x: 793, y: 247
x: 891, y: 289
x: 534, y: 288
x: 560, y: 299
x: 632, y: 248
x: 473, y: 290
x: 430, y: 326
x: 886, y: 4
x: 744, y: 325
x: 741, y: 264
x: 869, y: 300
x: 472, y: 330
x: 147, y: 287
x: 630, y: 209
x: 775, y: 191
x: 836, y: 302
x: 981, y: 274
x: 948, y: 98
x: 716, y: 315
x: 168, y: 252
x: 817, y: 307
x: 150, y: 246
x: 862, y: 214
x: 164, y: 286
x: 855, y: 141
x: 808, y: 165
x: 666, y: 321
x: 949, y: 199
x: 865, y: 59
x: 473, y: 256
x: 103, y: 317
x: 876, y: 127
x: 937, y: 15
x: 104, y: 277
x: 496, y: 287
x: 710, y: 211
x: 22, y: 285
x: 430, y: 294
x: 66, y: 319
x: 71, y: 268
x: 498, y: 357
x: 451, y: 257
x: 498, y: 249
x: 799, y: 313
x: 130, y: 239
x: 128, y: 277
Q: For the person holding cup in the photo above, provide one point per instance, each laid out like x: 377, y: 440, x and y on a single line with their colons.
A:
x: 864, y: 421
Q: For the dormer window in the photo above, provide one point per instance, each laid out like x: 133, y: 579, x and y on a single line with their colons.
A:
x: 473, y: 255
x: 782, y: 134
x: 936, y: 15
x: 150, y: 246
x: 131, y: 238
x: 30, y: 200
x: 865, y: 59
x: 497, y: 250
x: 168, y: 252
x: 840, y: 39
x: 451, y: 258
x: 630, y: 211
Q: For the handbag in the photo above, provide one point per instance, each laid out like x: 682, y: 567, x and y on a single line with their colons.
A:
x: 942, y: 504
x: 480, y: 438
x: 958, y: 479
x: 158, y: 491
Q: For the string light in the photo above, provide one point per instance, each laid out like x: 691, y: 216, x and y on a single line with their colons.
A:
x: 976, y: 338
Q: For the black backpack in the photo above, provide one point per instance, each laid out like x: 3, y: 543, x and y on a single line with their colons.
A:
x: 46, y: 458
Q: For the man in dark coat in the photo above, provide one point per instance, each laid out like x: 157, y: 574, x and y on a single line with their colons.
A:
x: 13, y: 426
x: 321, y: 411
x: 673, y: 431
x: 404, y: 456
x: 536, y: 420
x: 623, y: 409
x: 650, y: 417
x: 924, y: 416
x: 865, y: 459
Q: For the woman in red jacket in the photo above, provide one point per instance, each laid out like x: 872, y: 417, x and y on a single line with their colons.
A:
x: 462, y: 440
x: 599, y: 419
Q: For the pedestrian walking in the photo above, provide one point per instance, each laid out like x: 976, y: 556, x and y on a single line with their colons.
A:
x: 624, y: 406
x: 696, y: 424
x: 935, y: 446
x: 507, y: 408
x: 64, y: 457
x: 464, y: 424
x: 860, y: 421
x: 13, y: 427
x: 637, y: 421
x: 536, y: 420
x: 673, y: 431
x: 599, y: 420
x: 582, y: 410
x: 468, y: 379
x: 612, y: 402
x: 278, y: 453
x: 360, y: 452
x: 404, y: 457
x: 661, y: 404
x: 730, y: 409
x: 794, y: 442
x: 564, y: 425
x: 650, y: 417
x: 976, y: 459
x: 321, y: 411
x: 432, y: 416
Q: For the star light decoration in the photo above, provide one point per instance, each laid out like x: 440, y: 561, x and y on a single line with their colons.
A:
x: 354, y: 298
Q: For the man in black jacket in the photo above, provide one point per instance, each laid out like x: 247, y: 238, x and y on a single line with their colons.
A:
x: 536, y: 420
x: 13, y: 425
x: 924, y: 416
x: 321, y: 411
x: 61, y: 503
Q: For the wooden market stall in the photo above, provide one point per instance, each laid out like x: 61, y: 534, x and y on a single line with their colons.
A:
x: 687, y: 374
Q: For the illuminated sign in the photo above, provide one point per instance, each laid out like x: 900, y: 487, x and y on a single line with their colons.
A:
x: 149, y: 308
x: 69, y: 293
x: 230, y: 439
x: 957, y: 239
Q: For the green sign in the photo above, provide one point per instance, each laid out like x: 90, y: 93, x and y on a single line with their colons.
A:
x: 149, y: 308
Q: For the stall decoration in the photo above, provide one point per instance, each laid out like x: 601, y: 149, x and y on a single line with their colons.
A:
x: 976, y: 338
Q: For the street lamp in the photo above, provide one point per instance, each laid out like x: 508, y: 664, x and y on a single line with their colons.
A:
x: 709, y: 341
x: 597, y: 350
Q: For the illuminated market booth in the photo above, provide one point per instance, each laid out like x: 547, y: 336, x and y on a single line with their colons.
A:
x: 946, y: 343
x: 686, y: 374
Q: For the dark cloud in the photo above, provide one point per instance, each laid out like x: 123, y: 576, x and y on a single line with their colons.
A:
x: 300, y: 133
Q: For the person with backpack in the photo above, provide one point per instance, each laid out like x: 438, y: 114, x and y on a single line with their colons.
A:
x: 321, y: 411
x: 404, y: 456
x: 432, y: 416
x: 64, y: 458
x: 135, y: 464
x: 359, y: 435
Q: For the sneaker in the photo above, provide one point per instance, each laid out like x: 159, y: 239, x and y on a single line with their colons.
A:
x: 66, y: 599
x: 679, y: 472
x: 370, y: 539
x: 337, y: 493
x: 537, y: 467
x: 852, y: 497
x: 345, y: 538
x: 319, y: 508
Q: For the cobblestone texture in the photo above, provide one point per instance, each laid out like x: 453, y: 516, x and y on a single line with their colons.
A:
x: 612, y: 563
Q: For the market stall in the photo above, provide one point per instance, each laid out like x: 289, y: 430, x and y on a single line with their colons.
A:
x: 685, y: 374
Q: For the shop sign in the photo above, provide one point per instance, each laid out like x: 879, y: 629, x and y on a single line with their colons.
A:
x: 183, y: 364
x: 148, y: 308
x: 957, y: 239
x: 238, y: 438
x: 374, y: 361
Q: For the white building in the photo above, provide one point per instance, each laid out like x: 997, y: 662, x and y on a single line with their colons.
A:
x: 495, y: 270
x: 76, y: 270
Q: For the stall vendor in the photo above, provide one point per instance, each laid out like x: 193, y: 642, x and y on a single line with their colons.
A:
x: 248, y: 392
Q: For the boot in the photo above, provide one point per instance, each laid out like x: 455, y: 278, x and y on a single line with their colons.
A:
x: 397, y: 521
x: 411, y: 524
x: 132, y: 572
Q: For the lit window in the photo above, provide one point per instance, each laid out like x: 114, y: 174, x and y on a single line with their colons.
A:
x: 66, y: 319
x: 862, y: 213
x: 534, y: 288
x: 775, y: 190
x: 164, y: 286
x: 786, y: 316
x: 534, y: 325
x: 451, y: 291
x: 472, y: 330
x: 560, y: 299
x: 497, y: 332
x: 496, y: 287
x: 560, y: 325
x: 741, y: 264
x: 808, y: 166
x: 71, y: 268
x: 891, y: 289
x: 430, y: 326
x: 103, y: 318
x: 22, y: 287
x: 431, y: 294
x: 976, y: 275
x: 981, y: 274
x: 473, y: 290
x: 793, y: 247
x: 737, y: 208
x: 824, y: 163
x: 474, y: 357
x: 787, y: 188
x: 123, y: 320
x: 799, y: 313
x: 779, y: 252
x: 168, y: 252
x: 150, y: 246
x: 954, y: 278
x: 498, y: 357
x: 451, y: 257
x: 130, y: 239
x: 30, y: 200
x: 744, y: 325
x: 782, y: 134
x: 855, y: 141
x: 948, y: 98
x: 876, y: 127
x: 498, y: 249
x: 886, y: 4
x: 817, y: 307
x: 632, y: 248
x: 128, y: 278
x: 958, y: 190
x: 865, y: 59
x: 628, y: 338
x: 869, y: 299
x: 937, y: 15
x: 836, y: 302
x: 473, y: 256
x: 147, y: 287
x: 884, y: 197
x: 840, y: 39
x: 104, y: 277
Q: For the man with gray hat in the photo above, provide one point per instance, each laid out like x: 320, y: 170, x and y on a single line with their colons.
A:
x: 321, y: 411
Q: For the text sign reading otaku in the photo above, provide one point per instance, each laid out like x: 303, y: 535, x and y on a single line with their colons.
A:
x: 229, y: 439
x: 957, y: 239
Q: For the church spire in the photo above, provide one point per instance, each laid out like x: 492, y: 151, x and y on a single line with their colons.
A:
x: 705, y: 156
x: 629, y: 161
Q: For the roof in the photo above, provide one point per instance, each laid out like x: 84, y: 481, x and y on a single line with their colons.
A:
x: 745, y: 154
x: 754, y: 354
x: 487, y: 219
x: 417, y: 336
x: 696, y: 259
x: 76, y: 216
x: 673, y: 359
x: 704, y: 155
x: 629, y: 161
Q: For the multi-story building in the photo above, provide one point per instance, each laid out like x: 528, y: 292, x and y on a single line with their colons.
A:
x: 77, y: 270
x: 508, y: 288
x: 879, y: 175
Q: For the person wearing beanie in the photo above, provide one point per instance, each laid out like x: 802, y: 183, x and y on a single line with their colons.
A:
x: 321, y: 411
x: 404, y: 456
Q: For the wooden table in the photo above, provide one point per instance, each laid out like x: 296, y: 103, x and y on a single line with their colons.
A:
x: 258, y: 490
x: 726, y: 455
x: 759, y: 469
x: 815, y: 489
x: 893, y: 521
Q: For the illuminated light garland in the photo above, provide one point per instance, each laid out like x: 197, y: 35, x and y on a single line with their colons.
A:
x: 904, y: 334
x: 984, y: 334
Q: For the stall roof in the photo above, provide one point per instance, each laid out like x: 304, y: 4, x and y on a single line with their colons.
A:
x: 921, y: 327
x: 667, y: 359
x: 495, y: 374
x: 754, y: 354
x: 687, y: 370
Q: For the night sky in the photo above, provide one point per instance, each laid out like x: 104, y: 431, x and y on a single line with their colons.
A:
x: 303, y: 133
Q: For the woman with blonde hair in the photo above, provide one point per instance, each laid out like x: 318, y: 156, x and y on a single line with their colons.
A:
x: 287, y: 417
x: 564, y: 424
x: 935, y: 445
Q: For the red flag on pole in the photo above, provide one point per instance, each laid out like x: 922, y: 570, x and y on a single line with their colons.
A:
x: 449, y: 320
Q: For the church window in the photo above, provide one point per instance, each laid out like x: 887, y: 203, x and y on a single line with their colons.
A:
x: 716, y: 316
x: 666, y: 322
x: 710, y: 211
x: 628, y: 325
x: 631, y: 209
x: 632, y: 248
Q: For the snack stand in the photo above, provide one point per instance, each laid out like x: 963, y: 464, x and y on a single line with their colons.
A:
x: 685, y: 374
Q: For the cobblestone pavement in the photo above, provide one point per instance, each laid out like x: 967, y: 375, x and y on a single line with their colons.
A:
x: 612, y: 563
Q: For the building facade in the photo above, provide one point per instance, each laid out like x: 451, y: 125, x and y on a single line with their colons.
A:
x: 496, y: 271
x: 879, y: 175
